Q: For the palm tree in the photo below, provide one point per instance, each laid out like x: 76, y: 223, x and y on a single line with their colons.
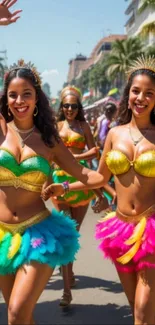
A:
x: 146, y: 4
x: 150, y: 27
x: 150, y: 51
x: 2, y: 71
x: 1, y: 68
x: 122, y: 54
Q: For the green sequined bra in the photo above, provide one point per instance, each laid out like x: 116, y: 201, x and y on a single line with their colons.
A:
x: 30, y: 174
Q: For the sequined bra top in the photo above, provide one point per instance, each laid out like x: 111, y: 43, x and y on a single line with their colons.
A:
x: 118, y: 163
x: 30, y: 174
x: 75, y: 141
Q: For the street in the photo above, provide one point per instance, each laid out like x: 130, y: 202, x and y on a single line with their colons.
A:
x: 98, y: 297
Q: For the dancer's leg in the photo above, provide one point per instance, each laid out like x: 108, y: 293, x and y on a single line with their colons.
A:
x: 29, y: 283
x: 145, y: 295
x: 78, y: 215
x: 129, y: 282
x: 67, y: 295
x: 6, y: 285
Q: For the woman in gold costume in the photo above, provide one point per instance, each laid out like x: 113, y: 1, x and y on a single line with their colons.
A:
x: 128, y: 235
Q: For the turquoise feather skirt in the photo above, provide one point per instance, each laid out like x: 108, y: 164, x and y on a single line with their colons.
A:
x: 53, y: 241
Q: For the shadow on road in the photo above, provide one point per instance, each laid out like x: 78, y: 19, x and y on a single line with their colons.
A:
x: 51, y: 313
x: 84, y: 282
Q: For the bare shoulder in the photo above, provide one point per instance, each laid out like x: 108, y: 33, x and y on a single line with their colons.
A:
x: 118, y: 129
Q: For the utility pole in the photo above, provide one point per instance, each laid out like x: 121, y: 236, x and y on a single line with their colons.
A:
x: 4, y: 53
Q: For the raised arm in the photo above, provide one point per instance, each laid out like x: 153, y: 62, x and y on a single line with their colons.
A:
x: 6, y: 17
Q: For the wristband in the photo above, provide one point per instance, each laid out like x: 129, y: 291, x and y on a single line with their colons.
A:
x: 65, y: 186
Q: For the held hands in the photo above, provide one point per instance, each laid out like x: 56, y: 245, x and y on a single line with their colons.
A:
x: 101, y: 204
x: 52, y: 190
x: 6, y: 17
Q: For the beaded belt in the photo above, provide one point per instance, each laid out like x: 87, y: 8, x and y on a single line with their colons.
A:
x: 22, y: 226
x: 136, y: 218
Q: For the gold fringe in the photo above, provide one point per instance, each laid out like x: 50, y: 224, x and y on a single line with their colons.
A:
x: 15, y: 245
x: 138, y: 232
x: 110, y: 215
x: 126, y: 258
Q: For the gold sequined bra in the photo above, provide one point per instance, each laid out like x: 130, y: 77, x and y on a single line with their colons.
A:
x: 144, y: 164
x: 30, y: 174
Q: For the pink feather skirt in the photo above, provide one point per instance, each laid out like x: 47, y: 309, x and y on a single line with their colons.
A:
x: 128, y: 242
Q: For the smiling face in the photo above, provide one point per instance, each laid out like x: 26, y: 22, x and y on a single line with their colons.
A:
x: 142, y: 96
x: 70, y: 107
x: 21, y: 97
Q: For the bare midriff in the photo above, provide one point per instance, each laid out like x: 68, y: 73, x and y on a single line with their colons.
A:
x: 135, y: 193
x: 18, y: 205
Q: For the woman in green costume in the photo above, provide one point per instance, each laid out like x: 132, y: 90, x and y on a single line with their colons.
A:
x: 77, y: 137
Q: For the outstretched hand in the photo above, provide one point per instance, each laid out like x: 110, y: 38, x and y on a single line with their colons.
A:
x: 6, y: 17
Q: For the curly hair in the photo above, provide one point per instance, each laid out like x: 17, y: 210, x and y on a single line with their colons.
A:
x: 79, y: 116
x: 125, y: 114
x: 45, y: 120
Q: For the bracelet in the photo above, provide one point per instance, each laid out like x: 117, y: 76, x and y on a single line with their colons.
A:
x: 65, y: 186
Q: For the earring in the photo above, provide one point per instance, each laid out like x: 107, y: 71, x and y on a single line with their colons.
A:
x: 36, y: 112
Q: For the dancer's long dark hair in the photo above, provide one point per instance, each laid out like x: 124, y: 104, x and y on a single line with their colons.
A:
x: 45, y: 120
x: 125, y: 114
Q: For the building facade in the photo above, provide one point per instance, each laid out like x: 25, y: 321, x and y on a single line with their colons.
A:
x: 137, y: 20
x: 81, y: 63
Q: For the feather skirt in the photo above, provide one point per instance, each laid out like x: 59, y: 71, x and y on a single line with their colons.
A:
x: 123, y: 242
x: 53, y: 241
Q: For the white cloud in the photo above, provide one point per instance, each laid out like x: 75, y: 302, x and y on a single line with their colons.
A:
x: 52, y: 77
x: 49, y: 73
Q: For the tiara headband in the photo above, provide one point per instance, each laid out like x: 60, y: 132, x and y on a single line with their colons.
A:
x: 141, y: 63
x: 71, y: 90
x: 29, y: 66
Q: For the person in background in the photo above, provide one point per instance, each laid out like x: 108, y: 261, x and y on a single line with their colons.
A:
x: 110, y: 110
x: 77, y: 137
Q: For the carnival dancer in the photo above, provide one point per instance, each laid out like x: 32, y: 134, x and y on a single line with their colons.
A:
x: 128, y: 235
x: 33, y: 240
x: 76, y: 135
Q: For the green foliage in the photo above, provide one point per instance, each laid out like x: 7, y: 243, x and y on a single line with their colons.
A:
x: 83, y: 81
x: 122, y: 54
x: 150, y: 50
x: 145, y: 4
x: 148, y: 29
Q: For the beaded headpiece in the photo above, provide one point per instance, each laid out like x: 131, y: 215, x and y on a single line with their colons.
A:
x: 143, y: 62
x: 71, y: 90
x: 29, y: 66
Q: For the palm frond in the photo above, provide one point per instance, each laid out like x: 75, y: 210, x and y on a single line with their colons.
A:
x: 147, y: 29
x: 145, y: 4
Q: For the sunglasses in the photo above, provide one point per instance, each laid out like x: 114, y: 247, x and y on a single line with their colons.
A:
x: 73, y: 106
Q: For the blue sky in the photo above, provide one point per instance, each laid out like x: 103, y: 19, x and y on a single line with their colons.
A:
x: 50, y: 32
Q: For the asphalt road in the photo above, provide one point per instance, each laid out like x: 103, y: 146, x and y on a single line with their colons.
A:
x: 98, y: 297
